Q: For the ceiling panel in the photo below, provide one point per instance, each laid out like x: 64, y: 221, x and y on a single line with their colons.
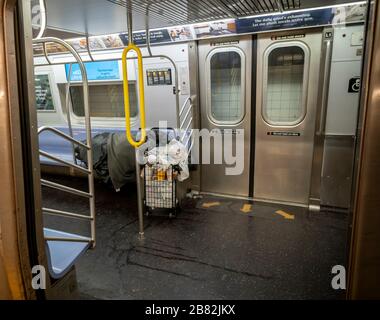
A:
x: 95, y: 17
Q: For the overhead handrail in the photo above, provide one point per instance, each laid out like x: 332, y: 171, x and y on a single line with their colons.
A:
x: 87, y: 146
x: 43, y: 19
x: 147, y: 32
x: 45, y: 53
x: 131, y: 140
x: 89, y: 48
x: 132, y: 47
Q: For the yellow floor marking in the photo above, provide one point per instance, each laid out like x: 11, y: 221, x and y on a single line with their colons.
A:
x: 286, y: 215
x: 210, y: 204
x: 246, y: 208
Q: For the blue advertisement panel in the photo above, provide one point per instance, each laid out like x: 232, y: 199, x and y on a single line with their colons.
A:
x: 99, y: 70
x: 285, y: 21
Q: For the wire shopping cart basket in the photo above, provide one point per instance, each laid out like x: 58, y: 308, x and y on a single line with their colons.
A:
x: 160, y: 185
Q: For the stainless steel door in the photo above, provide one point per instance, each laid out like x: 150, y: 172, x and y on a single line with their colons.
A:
x: 225, y: 103
x: 287, y: 89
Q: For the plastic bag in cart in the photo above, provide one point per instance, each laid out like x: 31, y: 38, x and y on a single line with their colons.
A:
x: 174, y: 153
x: 154, y: 138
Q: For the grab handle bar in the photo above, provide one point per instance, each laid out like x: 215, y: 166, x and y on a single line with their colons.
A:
x: 130, y: 138
x: 325, y: 89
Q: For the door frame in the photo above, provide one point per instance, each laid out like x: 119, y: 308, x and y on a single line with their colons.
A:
x: 253, y: 117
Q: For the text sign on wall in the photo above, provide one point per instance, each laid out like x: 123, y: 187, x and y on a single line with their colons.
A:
x: 285, y: 21
x: 283, y: 134
x: 99, y: 70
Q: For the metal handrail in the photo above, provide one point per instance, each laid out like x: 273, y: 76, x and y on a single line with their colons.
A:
x: 192, y: 144
x: 68, y: 239
x: 43, y: 19
x: 127, y: 107
x: 55, y: 212
x: 147, y: 32
x: 61, y: 187
x: 89, y: 48
x: 188, y: 99
x: 190, y: 136
x: 187, y: 128
x: 67, y: 163
x: 45, y: 54
x: 63, y: 135
x: 87, y: 146
x: 186, y: 116
x: 189, y: 121
x: 68, y: 111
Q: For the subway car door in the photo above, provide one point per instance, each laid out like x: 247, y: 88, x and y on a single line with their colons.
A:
x: 287, y: 91
x: 225, y: 103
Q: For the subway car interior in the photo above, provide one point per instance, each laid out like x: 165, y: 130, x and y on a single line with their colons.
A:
x: 186, y: 149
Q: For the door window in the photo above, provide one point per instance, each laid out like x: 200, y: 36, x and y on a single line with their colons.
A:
x: 105, y: 101
x: 226, y: 85
x: 285, y: 84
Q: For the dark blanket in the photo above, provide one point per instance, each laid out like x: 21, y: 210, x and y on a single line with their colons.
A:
x: 113, y: 157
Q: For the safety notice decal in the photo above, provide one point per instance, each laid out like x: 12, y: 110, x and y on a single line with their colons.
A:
x: 283, y: 134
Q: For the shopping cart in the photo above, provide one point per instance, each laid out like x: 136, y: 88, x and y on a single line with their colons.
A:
x: 160, y: 185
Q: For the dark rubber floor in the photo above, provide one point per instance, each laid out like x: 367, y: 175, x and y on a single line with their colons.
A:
x: 217, y: 252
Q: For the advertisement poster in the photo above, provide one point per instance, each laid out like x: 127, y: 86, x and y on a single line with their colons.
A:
x: 349, y: 14
x: 112, y: 41
x: 285, y: 21
x: 139, y: 38
x: 44, y: 99
x: 98, y: 70
x: 312, y: 18
x: 96, y: 43
x: 214, y: 29
x: 79, y: 45
x: 180, y: 33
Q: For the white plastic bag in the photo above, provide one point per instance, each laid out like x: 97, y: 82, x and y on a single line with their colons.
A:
x: 174, y: 153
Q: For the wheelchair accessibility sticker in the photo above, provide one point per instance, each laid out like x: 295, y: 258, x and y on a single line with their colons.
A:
x: 354, y: 85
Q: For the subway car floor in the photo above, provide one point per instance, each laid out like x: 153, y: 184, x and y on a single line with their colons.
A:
x: 216, y: 248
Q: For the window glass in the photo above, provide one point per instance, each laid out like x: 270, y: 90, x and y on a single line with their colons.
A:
x: 44, y: 99
x: 226, y: 86
x: 284, y: 88
x: 105, y: 100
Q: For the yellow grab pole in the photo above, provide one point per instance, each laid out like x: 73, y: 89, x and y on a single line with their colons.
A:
x: 130, y: 138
